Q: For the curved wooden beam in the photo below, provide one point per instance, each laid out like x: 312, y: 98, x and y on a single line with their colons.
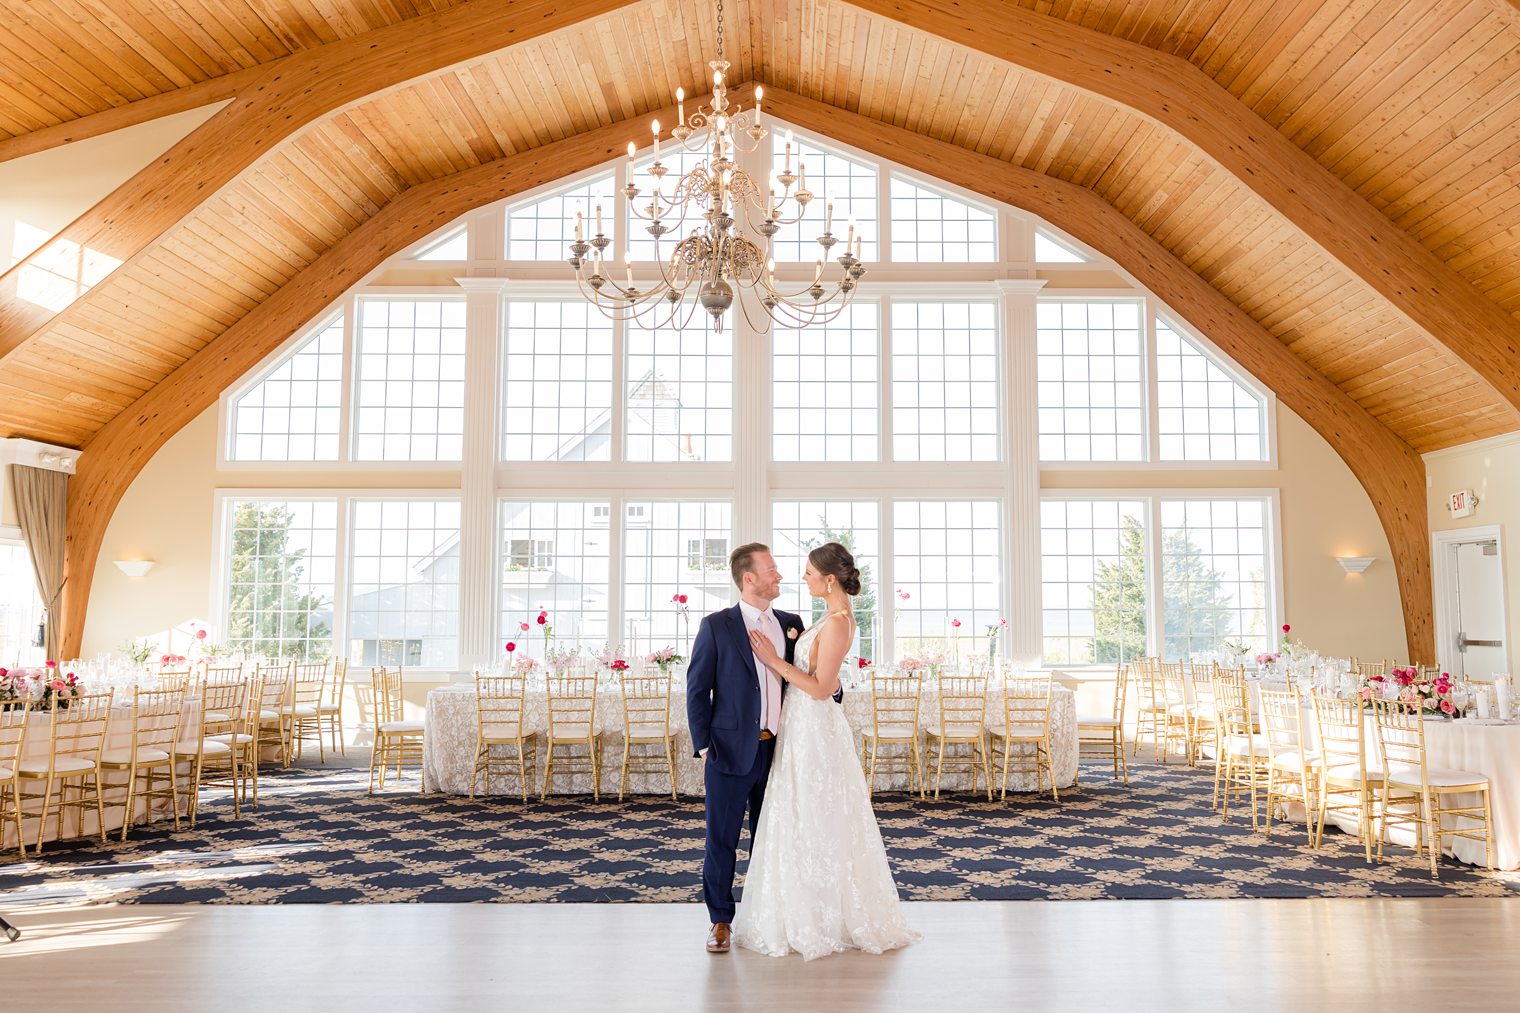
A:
x: 1388, y: 468
x: 115, y: 455
x: 1177, y: 95
x: 1391, y: 472
x: 291, y: 94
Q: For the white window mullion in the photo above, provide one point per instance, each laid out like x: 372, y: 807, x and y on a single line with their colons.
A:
x: 1155, y: 606
x: 1152, y: 412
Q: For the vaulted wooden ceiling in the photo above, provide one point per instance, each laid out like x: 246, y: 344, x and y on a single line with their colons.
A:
x: 1416, y: 106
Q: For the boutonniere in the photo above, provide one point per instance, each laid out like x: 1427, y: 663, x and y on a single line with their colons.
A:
x: 791, y: 634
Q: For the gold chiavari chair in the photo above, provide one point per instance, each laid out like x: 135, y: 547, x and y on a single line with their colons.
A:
x: 150, y: 758
x: 646, y: 722
x: 896, y: 702
x: 308, y: 690
x: 1023, y: 737
x: 13, y: 724
x: 1364, y: 668
x: 78, y: 733
x: 1414, y: 793
x: 183, y: 679
x: 274, y: 712
x: 1176, y: 723
x: 1203, y: 723
x: 499, y: 712
x: 1343, y: 770
x: 1243, y: 761
x: 226, y: 750
x: 1292, y: 770
x: 1103, y: 737
x: 397, y: 740
x: 1150, y: 710
x: 572, y: 727
x: 962, y: 721
x: 330, y: 713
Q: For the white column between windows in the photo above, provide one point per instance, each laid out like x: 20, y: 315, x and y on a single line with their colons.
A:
x: 477, y: 480
x: 1021, y: 454
x: 752, y: 400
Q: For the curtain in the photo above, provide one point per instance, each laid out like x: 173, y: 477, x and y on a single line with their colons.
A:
x: 41, y: 499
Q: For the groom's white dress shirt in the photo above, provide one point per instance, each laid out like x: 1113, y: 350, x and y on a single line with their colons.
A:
x: 769, y: 682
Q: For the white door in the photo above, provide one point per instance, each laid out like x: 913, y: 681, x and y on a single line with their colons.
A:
x: 1478, y: 650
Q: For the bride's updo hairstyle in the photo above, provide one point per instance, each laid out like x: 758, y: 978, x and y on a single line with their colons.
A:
x: 834, y: 560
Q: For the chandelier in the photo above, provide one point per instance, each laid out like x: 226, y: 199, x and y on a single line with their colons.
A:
x: 727, y: 254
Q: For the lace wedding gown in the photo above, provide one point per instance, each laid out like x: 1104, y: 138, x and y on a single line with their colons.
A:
x: 818, y: 880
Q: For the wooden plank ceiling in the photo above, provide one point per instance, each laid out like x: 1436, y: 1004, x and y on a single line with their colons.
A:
x: 1415, y: 104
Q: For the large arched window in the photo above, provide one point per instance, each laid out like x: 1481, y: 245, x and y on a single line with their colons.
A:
x: 497, y: 448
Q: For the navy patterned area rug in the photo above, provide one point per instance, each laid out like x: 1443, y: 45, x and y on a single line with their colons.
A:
x: 318, y: 838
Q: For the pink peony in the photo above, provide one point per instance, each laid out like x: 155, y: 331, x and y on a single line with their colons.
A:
x: 58, y: 685
x: 1447, y: 707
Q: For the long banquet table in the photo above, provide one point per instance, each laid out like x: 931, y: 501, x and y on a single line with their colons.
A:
x: 449, y: 742
x: 1485, y: 746
x: 118, y: 736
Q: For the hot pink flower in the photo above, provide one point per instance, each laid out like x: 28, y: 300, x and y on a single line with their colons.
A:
x: 51, y: 664
x: 511, y: 647
x: 1286, y: 628
x: 863, y: 662
x: 200, y: 634
x: 955, y: 623
x: 543, y: 618
x: 904, y: 595
x: 524, y: 627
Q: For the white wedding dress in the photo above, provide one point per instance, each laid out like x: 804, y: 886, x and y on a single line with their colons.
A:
x: 818, y: 880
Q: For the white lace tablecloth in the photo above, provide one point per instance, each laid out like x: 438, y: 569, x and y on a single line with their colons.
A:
x: 118, y: 736
x: 449, y: 742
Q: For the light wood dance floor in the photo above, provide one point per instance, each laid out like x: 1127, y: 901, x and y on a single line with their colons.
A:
x: 1075, y: 955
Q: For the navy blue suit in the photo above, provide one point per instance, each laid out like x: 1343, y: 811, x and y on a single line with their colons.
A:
x: 723, y: 713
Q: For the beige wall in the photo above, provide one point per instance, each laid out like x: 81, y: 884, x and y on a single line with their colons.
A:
x: 41, y: 193
x: 1490, y: 468
x: 166, y: 515
x: 1325, y: 513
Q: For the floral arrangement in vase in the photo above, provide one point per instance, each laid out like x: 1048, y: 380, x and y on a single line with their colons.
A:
x: 665, y: 658
x: 609, y: 658
x: 912, y: 665
x: 524, y: 666
x: 1290, y: 648
x: 137, y: 652
x: 13, y: 689
x: 561, y: 660
x: 1406, y: 686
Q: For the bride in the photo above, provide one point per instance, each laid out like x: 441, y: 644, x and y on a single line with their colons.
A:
x: 818, y: 881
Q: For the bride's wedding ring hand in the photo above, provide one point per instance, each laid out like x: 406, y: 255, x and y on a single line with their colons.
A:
x: 764, y: 649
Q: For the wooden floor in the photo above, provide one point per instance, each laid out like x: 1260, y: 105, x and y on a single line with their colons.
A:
x: 1134, y: 955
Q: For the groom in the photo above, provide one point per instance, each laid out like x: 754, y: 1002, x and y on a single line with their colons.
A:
x: 733, y: 707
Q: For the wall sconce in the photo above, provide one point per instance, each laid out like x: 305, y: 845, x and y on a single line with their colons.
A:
x: 134, y: 567
x: 1355, y: 564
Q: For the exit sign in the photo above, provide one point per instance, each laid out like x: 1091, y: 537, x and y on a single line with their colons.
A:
x: 1462, y: 503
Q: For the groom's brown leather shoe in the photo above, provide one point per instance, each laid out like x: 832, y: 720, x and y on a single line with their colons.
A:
x: 717, y: 938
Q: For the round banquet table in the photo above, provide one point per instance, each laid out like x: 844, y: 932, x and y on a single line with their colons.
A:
x: 449, y: 742
x: 118, y: 736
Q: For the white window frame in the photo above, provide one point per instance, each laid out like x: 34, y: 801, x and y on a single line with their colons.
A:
x: 1152, y: 497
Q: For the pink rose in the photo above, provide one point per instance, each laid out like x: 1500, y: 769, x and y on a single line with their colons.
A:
x: 1430, y: 703
x: 1447, y: 707
x: 58, y: 685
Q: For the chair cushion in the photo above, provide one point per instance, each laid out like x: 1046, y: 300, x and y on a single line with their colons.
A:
x: 206, y: 747
x: 232, y: 738
x: 1408, y: 775
x: 402, y: 728
x: 957, y: 731
x: 1239, y: 745
x: 62, y: 765
x: 265, y: 715
x: 123, y: 757
x: 1294, y: 761
x: 300, y: 710
x: 1180, y: 708
x: 217, y: 717
x: 330, y: 708
x: 1018, y: 732
x: 891, y: 732
x: 1098, y: 722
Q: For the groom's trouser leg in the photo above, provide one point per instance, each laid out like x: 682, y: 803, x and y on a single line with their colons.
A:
x: 727, y: 797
